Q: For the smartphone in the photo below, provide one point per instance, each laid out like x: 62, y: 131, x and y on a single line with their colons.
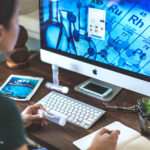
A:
x: 96, y: 89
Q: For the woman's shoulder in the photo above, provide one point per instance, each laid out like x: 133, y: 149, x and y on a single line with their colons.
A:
x: 5, y: 102
x: 10, y: 125
x: 8, y: 108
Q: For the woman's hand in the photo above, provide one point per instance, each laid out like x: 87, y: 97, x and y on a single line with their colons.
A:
x: 105, y: 140
x: 29, y: 115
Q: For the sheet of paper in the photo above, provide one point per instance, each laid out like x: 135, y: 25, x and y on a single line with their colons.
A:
x: 140, y: 143
x: 96, y: 23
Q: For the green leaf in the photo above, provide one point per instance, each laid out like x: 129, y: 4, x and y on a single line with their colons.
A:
x: 145, y: 105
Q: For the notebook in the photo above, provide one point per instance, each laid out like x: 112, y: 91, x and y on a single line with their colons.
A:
x: 129, y: 139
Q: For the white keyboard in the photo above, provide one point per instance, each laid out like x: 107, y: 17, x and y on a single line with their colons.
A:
x: 78, y: 113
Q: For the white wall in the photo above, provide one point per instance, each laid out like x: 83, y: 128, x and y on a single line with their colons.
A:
x: 31, y: 23
x: 33, y: 44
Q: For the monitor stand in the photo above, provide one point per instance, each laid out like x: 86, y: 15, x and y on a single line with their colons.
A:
x: 55, y: 85
x: 115, y: 90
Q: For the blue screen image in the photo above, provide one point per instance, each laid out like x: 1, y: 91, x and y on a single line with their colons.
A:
x: 64, y: 27
x: 19, y: 87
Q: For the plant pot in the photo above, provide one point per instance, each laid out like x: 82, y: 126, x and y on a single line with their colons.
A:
x: 144, y: 124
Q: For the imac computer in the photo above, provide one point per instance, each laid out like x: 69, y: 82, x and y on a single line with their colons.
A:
x: 108, y: 40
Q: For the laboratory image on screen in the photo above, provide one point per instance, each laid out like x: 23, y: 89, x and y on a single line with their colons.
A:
x: 111, y: 32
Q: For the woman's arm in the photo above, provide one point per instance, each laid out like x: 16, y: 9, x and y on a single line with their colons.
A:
x: 105, y: 140
x: 24, y: 147
x: 29, y: 115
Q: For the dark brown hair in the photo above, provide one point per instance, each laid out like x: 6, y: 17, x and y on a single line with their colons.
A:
x: 7, y: 10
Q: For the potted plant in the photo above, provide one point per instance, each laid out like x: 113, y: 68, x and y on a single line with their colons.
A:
x: 144, y: 115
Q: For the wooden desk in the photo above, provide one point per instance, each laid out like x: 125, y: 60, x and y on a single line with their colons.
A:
x: 54, y: 136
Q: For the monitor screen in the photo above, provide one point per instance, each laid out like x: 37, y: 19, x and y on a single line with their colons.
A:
x: 112, y: 34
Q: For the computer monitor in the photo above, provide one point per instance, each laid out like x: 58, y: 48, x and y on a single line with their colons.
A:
x: 108, y: 40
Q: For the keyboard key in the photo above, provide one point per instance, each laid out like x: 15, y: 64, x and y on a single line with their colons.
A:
x: 86, y: 126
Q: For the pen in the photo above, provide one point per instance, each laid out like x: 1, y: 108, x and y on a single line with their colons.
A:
x: 109, y: 132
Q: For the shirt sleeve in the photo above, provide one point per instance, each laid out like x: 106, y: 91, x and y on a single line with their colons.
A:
x: 12, y: 132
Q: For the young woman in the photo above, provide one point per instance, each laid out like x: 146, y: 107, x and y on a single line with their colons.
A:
x: 12, y: 134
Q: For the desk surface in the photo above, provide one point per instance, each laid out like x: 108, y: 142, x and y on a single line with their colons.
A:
x: 54, y: 136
